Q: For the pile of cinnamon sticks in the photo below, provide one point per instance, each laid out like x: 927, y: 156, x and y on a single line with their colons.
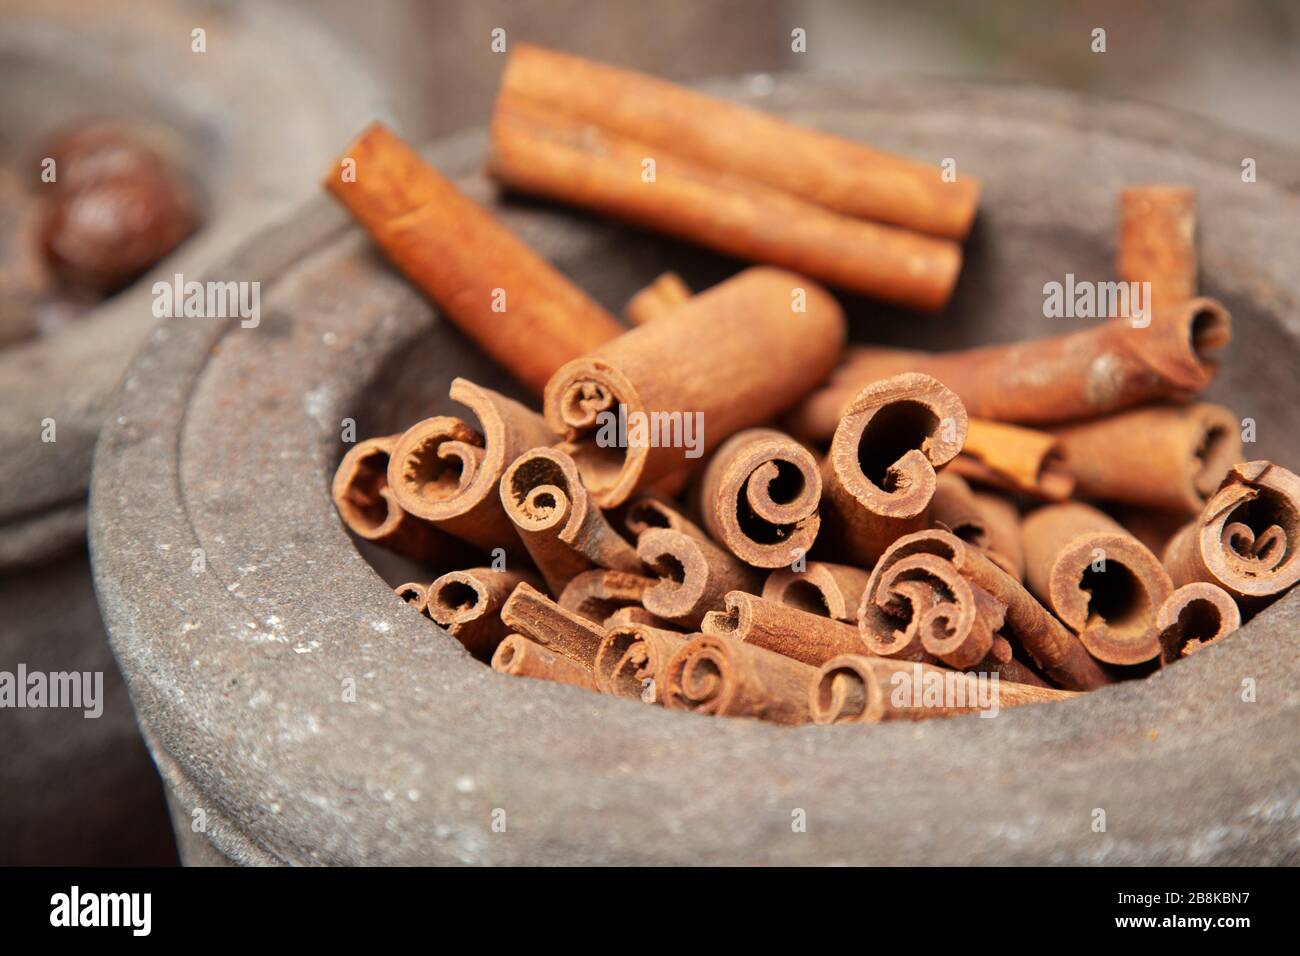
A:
x: 724, y: 509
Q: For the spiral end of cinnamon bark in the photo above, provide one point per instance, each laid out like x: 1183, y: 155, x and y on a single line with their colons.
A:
x: 1194, y: 617
x: 631, y: 661
x: 433, y: 466
x: 582, y: 403
x: 361, y: 491
x: 683, y: 573
x: 538, y: 490
x: 700, y: 676
x: 918, y: 604
x: 846, y: 692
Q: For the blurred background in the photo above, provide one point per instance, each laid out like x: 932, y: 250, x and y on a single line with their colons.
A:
x: 312, y: 73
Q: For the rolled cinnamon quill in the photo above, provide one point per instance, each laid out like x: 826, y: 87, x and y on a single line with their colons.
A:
x: 537, y: 617
x: 854, y: 689
x: 632, y: 659
x: 563, y: 530
x: 518, y: 656
x: 657, y: 299
x: 1246, y: 539
x: 1157, y: 242
x: 490, y: 284
x: 726, y: 678
x: 832, y: 590
x: 1014, y: 458
x: 694, y: 576
x: 414, y: 594
x: 879, y: 476
x: 1171, y: 457
x: 1195, y: 616
x: 468, y: 604
x: 759, y: 497
x: 446, y: 472
x: 639, y: 408
x: 1098, y: 579
x: 809, y: 638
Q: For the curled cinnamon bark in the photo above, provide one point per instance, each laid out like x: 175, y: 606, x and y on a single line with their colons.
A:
x: 598, y: 593
x: 629, y: 418
x: 832, y: 590
x: 1246, y: 539
x: 1098, y: 579
x: 1195, y: 616
x: 415, y: 594
x: 657, y: 299
x: 446, y: 472
x: 759, y: 497
x: 492, y: 286
x: 810, y: 638
x: 1171, y: 457
x: 694, y: 576
x: 855, y: 689
x: 1084, y: 374
x: 632, y: 659
x: 1014, y: 458
x: 518, y: 656
x: 1002, y: 536
x: 563, y: 530
x: 536, y: 616
x: 1157, y: 242
x: 879, y: 477
x: 468, y: 604
x: 716, y: 675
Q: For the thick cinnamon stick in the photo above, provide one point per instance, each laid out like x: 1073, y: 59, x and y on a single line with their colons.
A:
x: 759, y: 497
x: 705, y: 366
x: 855, y: 689
x: 1171, y: 457
x: 694, y: 576
x: 1195, y: 616
x: 598, y: 593
x: 520, y: 657
x: 833, y: 590
x: 563, y: 530
x: 1014, y: 458
x: 810, y: 638
x: 879, y: 477
x: 468, y: 604
x: 493, y: 287
x: 536, y: 616
x: 1246, y: 539
x: 1098, y: 579
x: 1157, y: 242
x: 716, y: 675
x: 657, y: 299
x: 632, y: 659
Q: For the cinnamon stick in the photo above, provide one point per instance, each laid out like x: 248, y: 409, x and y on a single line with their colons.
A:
x: 414, y: 594
x: 953, y: 508
x: 632, y: 659
x: 518, y: 656
x: 716, y: 675
x: 654, y: 511
x: 1098, y: 579
x: 468, y: 605
x: 490, y: 284
x: 657, y: 299
x: 1193, y: 617
x: 759, y: 497
x: 1171, y: 457
x: 563, y: 530
x: 694, y: 576
x: 598, y: 593
x: 1157, y: 242
x: 879, y: 477
x: 1246, y: 538
x: 1014, y: 458
x: 705, y: 366
x: 833, y: 590
x: 810, y: 638
x: 537, y: 617
x: 1003, y: 542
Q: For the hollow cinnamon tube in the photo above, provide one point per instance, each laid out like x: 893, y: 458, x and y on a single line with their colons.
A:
x: 632, y: 659
x: 508, y: 300
x: 705, y: 367
x: 537, y: 617
x: 563, y: 530
x: 1058, y: 652
x: 726, y: 678
x: 1246, y: 539
x: 1157, y: 242
x: 1171, y: 457
x: 879, y: 476
x: 1092, y: 372
x: 1014, y: 458
x: 759, y: 497
x: 520, y: 657
x: 854, y: 689
x: 1098, y: 579
x: 837, y: 173
x: 694, y: 576
x: 833, y: 590
x: 414, y: 594
x: 1003, y: 541
x: 810, y: 638
x: 657, y: 299
x: 1195, y: 616
x: 598, y: 593
x: 447, y: 472
x: 468, y: 605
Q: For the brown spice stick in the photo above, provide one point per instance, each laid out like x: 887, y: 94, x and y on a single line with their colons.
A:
x: 657, y: 299
x: 1171, y: 457
x: 520, y: 657
x: 809, y: 638
x: 1014, y: 458
x: 709, y: 359
x: 1193, y: 617
x: 832, y: 590
x: 415, y: 594
x: 726, y: 678
x: 493, y: 287
x: 1098, y: 579
x: 598, y: 593
x: 695, y: 576
x: 879, y: 477
x: 1003, y: 542
x: 1157, y: 242
x: 632, y: 659
x: 1246, y: 539
x: 468, y: 604
x: 563, y: 530
x: 759, y: 497
x: 837, y: 173
x: 855, y: 689
x: 536, y: 616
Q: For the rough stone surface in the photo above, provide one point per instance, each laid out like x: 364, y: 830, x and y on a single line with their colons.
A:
x: 224, y: 440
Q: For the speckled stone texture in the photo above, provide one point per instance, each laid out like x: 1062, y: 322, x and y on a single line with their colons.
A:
x: 224, y: 439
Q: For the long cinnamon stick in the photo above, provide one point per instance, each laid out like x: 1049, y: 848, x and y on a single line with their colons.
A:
x: 694, y: 576
x: 706, y: 366
x: 468, y: 604
x: 1157, y: 242
x: 806, y: 637
x: 518, y: 656
x: 834, y: 590
x: 1014, y: 458
x: 716, y: 675
x: 536, y: 616
x: 632, y: 661
x: 1194, y: 617
x: 490, y: 284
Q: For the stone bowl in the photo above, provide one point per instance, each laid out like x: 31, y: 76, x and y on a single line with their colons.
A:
x: 224, y: 440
